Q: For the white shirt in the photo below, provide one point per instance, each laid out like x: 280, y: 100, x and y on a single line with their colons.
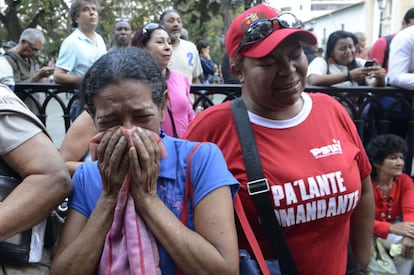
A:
x: 6, y: 72
x: 319, y: 66
x: 401, y: 59
x: 186, y: 60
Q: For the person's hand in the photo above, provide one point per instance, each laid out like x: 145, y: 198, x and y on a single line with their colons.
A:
x: 407, y: 248
x: 113, y: 161
x: 377, y: 71
x: 360, y: 73
x: 45, y: 71
x: 405, y: 229
x: 144, y: 165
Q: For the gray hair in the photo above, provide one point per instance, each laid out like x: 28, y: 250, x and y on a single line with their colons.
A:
x: 32, y: 36
x: 162, y: 16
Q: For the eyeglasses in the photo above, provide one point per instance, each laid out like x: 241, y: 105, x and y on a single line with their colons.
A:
x: 262, y: 28
x: 150, y: 27
x: 33, y: 48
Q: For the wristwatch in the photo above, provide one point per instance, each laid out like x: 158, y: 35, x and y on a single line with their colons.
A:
x: 348, y: 77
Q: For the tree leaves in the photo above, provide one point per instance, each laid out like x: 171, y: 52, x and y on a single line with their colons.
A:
x: 204, y: 19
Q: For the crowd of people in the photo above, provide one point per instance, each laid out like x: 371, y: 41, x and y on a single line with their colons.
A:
x: 151, y: 183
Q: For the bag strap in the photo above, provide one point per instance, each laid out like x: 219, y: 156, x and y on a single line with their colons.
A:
x: 188, y: 193
x: 12, y: 55
x: 170, y: 114
x: 248, y: 232
x: 258, y: 188
x: 388, y: 38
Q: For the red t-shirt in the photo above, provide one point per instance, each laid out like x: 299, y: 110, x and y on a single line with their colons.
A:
x: 401, y: 198
x: 314, y: 163
x: 377, y: 51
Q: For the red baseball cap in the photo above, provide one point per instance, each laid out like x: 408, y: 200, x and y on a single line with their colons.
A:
x: 241, y: 23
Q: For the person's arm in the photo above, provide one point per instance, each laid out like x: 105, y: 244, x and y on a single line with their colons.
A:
x: 198, y: 75
x: 406, y: 228
x: 213, y: 240
x: 207, y: 64
x: 45, y: 184
x: 400, y: 60
x: 13, y: 65
x: 82, y: 240
x: 327, y: 79
x: 196, y: 80
x: 212, y: 247
x: 362, y: 223
x: 75, y: 145
x: 81, y: 243
x: 318, y: 74
x: 356, y: 74
x: 63, y: 77
x: 190, y: 111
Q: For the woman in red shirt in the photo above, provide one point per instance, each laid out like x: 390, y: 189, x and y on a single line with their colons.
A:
x: 394, y: 197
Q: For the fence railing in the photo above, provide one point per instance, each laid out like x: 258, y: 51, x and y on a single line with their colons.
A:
x: 364, y: 104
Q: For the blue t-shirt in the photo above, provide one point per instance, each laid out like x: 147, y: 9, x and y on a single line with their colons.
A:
x: 208, y: 172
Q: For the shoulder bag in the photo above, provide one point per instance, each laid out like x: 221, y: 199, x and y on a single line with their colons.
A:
x: 16, y: 249
x: 259, y: 191
x: 24, y: 247
x: 188, y: 193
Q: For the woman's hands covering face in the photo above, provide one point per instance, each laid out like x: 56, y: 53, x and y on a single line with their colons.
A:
x: 144, y: 156
x: 113, y: 161
x: 136, y: 150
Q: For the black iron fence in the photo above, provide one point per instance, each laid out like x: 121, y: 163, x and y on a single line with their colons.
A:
x: 374, y: 110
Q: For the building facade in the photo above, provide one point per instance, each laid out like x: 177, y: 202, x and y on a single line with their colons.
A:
x: 372, y: 17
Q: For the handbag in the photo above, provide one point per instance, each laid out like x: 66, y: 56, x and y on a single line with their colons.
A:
x: 248, y: 265
x: 16, y: 249
x: 259, y: 191
x: 380, y: 263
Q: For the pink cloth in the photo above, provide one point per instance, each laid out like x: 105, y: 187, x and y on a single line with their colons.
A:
x: 129, y: 246
x: 179, y: 102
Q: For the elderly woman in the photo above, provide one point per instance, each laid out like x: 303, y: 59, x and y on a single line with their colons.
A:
x: 125, y: 88
x: 341, y: 68
x: 305, y: 141
x: 394, y: 193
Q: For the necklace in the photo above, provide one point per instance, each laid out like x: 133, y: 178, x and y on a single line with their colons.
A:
x: 384, y: 189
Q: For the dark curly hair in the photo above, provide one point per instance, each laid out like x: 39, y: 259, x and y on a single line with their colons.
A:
x: 119, y: 65
x: 382, y: 146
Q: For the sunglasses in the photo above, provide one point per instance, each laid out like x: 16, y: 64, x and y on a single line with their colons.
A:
x: 121, y: 20
x: 262, y: 28
x: 148, y: 28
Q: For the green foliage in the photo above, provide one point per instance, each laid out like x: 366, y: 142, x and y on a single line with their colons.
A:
x: 204, y: 19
